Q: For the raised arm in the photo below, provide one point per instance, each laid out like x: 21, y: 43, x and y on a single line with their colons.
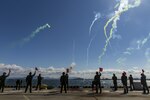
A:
x: 8, y: 73
x: 100, y: 74
x: 34, y: 73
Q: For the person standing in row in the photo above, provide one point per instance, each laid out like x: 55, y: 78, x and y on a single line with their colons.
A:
x: 131, y: 82
x: 124, y: 82
x: 39, y: 81
x: 29, y: 81
x: 18, y: 84
x: 114, y: 78
x: 144, y: 84
x: 2, y: 80
x: 63, y: 82
x: 97, y: 82
x: 67, y: 81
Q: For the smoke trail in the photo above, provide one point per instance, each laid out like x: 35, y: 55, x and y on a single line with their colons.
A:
x: 116, y: 5
x: 124, y: 6
x: 141, y: 43
x: 33, y: 34
x: 97, y: 16
x: 89, y: 48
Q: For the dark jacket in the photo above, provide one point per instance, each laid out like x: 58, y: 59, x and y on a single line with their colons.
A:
x: 97, y: 78
x: 30, y: 77
x: 143, y: 79
x: 39, y: 79
x: 131, y: 79
x: 63, y: 79
x: 114, y: 78
x: 3, y: 78
x: 124, y: 80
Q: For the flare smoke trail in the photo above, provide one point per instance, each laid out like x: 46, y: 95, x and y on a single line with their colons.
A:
x: 124, y: 5
x: 97, y: 16
x: 89, y: 46
x: 31, y: 36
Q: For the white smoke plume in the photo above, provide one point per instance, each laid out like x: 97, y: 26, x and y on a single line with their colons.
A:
x: 97, y: 16
x: 141, y: 43
x: 88, y: 48
x: 138, y: 46
x: 124, y: 6
x: 34, y: 33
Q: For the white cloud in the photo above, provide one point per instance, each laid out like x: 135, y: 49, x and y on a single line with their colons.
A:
x: 52, y: 72
x: 19, y: 71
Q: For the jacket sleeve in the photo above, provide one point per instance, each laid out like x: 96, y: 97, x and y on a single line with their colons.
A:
x: 34, y: 74
x: 8, y: 74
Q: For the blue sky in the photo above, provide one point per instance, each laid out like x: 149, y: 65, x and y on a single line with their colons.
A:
x: 70, y: 21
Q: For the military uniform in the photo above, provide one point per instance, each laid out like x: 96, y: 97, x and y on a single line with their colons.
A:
x: 2, y: 81
x: 18, y: 84
x: 97, y: 82
x: 144, y: 83
x: 114, y: 78
x: 29, y: 81
x: 39, y: 81
x: 131, y: 82
x: 124, y: 82
x: 63, y: 82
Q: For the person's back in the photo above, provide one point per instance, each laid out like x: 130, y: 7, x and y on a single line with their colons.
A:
x: 97, y: 79
x: 29, y: 81
x: 67, y: 78
x: 18, y: 81
x: 144, y: 83
x: 143, y: 79
x: 67, y: 81
x: 63, y: 82
x: 39, y: 79
x: 124, y: 79
x: 29, y: 78
x: 97, y: 82
x: 63, y: 79
x: 124, y: 82
x: 0, y: 80
x: 3, y: 78
x: 114, y: 78
x: 131, y: 79
x: 17, y: 84
x: 131, y: 82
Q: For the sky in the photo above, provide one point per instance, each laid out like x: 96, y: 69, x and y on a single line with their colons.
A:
x: 56, y: 34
